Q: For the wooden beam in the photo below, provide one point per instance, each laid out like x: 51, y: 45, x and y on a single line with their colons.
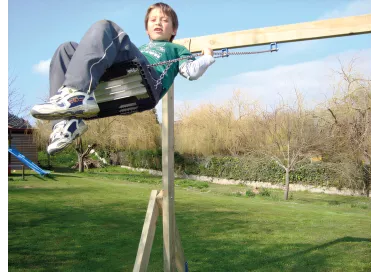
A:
x: 329, y: 28
x: 168, y: 212
x: 147, y: 235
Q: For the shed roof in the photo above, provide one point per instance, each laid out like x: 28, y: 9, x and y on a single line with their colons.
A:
x: 15, y: 122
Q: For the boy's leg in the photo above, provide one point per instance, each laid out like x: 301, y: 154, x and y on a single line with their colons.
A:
x: 64, y: 131
x: 58, y: 66
x: 103, y: 44
x: 57, y: 70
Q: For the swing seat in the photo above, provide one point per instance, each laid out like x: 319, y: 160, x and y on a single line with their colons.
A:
x: 126, y: 88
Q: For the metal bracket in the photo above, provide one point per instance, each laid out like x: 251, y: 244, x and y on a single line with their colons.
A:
x: 274, y: 44
x: 224, y: 52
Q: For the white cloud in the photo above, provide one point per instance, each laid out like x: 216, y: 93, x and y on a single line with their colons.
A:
x: 42, y: 67
x: 313, y: 79
x: 357, y: 7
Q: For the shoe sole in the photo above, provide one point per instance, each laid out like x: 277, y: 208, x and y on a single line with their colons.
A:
x: 54, y: 151
x: 62, y: 115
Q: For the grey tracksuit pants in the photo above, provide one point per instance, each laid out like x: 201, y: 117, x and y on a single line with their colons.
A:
x: 80, y: 66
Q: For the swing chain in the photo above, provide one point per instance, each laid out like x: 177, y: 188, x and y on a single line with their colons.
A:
x: 222, y: 54
x: 159, y: 80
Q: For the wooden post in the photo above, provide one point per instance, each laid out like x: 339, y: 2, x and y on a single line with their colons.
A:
x: 147, y: 235
x: 168, y: 211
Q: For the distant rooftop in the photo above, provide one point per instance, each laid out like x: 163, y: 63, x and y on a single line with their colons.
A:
x: 16, y: 122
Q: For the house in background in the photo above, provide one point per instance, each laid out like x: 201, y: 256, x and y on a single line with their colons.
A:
x: 20, y: 136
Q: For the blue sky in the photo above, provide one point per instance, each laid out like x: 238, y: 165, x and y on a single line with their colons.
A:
x: 36, y: 28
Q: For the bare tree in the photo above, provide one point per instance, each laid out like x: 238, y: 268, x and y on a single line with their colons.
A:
x: 16, y: 107
x: 81, y: 153
x: 346, y: 120
x: 289, y: 137
x: 15, y: 100
x: 219, y: 129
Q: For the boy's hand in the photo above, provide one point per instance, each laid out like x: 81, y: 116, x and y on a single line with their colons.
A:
x: 207, y: 51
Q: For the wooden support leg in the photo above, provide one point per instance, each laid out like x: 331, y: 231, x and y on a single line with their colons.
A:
x: 155, y: 206
x: 180, y: 260
x: 147, y: 235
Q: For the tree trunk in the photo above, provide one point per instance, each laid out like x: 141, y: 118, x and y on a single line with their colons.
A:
x: 80, y: 163
x: 286, y: 184
x: 367, y: 178
x: 82, y: 155
x: 48, y: 157
x: 79, y: 150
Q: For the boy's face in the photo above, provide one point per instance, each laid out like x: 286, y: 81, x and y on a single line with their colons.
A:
x: 160, y: 26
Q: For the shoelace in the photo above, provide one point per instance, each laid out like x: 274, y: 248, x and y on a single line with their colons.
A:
x: 59, y: 96
x: 57, y: 131
x: 55, y: 98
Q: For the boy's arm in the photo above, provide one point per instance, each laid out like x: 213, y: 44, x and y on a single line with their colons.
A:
x: 194, y: 69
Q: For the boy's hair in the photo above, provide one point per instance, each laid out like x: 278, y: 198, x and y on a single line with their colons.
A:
x: 168, y: 11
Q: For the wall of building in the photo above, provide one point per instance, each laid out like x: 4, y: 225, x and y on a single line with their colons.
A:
x: 24, y: 144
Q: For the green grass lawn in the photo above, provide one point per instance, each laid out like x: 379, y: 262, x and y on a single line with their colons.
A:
x: 93, y: 221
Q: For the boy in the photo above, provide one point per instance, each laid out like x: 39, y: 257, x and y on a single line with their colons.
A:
x: 75, y: 69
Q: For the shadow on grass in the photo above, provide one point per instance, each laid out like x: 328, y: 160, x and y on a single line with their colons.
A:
x: 63, y: 237
x: 227, y: 244
x: 45, y: 194
x: 58, y: 176
x: 74, y: 229
x: 18, y: 176
x: 64, y: 169
x: 50, y: 176
x: 105, y: 237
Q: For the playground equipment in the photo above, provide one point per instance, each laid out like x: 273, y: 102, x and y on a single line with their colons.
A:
x: 174, y: 257
x: 132, y: 92
x: 26, y: 161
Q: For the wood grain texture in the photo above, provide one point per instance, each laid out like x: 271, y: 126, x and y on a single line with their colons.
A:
x: 321, y: 29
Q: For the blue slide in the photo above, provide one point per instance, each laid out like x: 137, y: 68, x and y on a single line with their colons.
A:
x: 27, y: 162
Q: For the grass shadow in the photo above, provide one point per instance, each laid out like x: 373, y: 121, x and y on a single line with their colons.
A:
x: 60, y: 169
x: 97, y: 227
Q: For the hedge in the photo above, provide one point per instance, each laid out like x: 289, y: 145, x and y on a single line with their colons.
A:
x: 238, y: 168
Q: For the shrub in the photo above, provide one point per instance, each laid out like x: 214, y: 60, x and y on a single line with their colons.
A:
x: 249, y: 193
x: 265, y: 192
x: 191, y: 183
x: 66, y: 158
x: 230, y: 167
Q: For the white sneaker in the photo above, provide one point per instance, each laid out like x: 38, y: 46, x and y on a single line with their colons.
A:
x: 64, y: 133
x: 69, y: 103
x: 58, y: 96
